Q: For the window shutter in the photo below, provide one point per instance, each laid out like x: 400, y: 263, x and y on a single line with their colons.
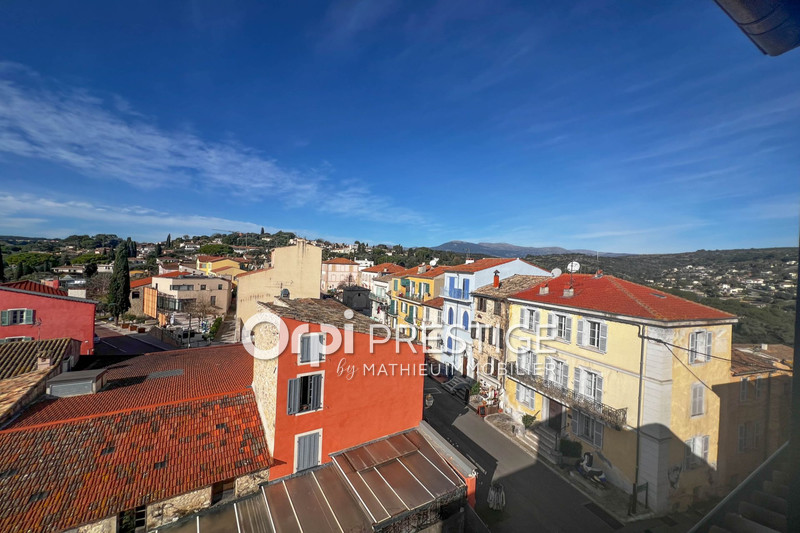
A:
x: 704, y: 455
x: 568, y: 332
x: 576, y: 381
x: 575, y: 422
x: 549, y: 370
x: 692, y: 347
x: 581, y: 323
x: 598, y: 434
x: 709, y: 339
x: 565, y: 376
x: 321, y: 347
x: 316, y: 391
x: 520, y: 394
x: 535, y: 326
x: 522, y: 316
x: 4, y: 318
x: 688, y: 454
x: 293, y: 402
x: 305, y: 349
x: 598, y: 391
x: 550, y: 324
x: 603, y: 337
x: 28, y: 316
x: 501, y: 339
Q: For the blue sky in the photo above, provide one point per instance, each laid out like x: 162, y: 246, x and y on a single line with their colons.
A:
x: 601, y: 125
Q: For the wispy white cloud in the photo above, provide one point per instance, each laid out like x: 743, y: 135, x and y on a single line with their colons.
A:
x: 107, y: 138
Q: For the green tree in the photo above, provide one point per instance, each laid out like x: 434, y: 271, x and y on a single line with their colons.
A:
x: 216, y: 249
x: 2, y: 266
x: 169, y: 240
x: 120, y: 287
x: 90, y: 269
x: 159, y: 251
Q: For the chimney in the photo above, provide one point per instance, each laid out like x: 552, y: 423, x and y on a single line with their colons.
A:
x: 544, y: 289
x: 43, y: 362
x: 422, y: 269
x: 568, y: 293
x: 496, y: 282
x: 765, y: 347
x: 599, y: 273
x: 469, y: 261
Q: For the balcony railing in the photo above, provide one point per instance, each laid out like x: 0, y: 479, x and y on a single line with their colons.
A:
x: 616, y: 418
x: 380, y: 298
x: 457, y: 294
x: 412, y: 296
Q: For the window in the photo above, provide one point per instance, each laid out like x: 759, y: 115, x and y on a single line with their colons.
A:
x: 219, y: 287
x: 305, y: 394
x: 213, y: 300
x: 491, y: 332
x: 481, y: 304
x: 593, y: 333
x: 222, y: 490
x: 757, y: 384
x: 696, y: 451
x: 587, y: 428
x: 526, y: 363
x: 450, y: 316
x: 557, y: 371
x: 134, y: 295
x: 525, y: 396
x: 494, y: 366
x: 465, y: 320
x: 498, y: 306
x: 563, y: 327
x: 589, y: 384
x: 700, y: 347
x: 307, y: 450
x: 132, y: 520
x: 312, y: 348
x: 202, y: 287
x: 529, y: 319
x: 698, y: 399
x: 395, y: 284
x: 13, y: 317
x: 743, y: 390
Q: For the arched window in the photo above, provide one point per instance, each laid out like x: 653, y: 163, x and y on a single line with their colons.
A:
x: 450, y: 317
x: 450, y: 342
x: 465, y: 320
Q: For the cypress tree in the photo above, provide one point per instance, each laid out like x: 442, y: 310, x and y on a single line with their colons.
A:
x: 169, y: 240
x: 18, y: 271
x: 158, y: 249
x: 2, y: 266
x: 120, y: 287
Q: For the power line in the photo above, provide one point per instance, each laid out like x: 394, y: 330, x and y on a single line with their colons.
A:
x: 709, y: 355
x: 689, y: 369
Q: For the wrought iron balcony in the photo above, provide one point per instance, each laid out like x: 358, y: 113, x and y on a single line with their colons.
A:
x: 615, y: 418
x: 380, y: 298
x: 413, y: 297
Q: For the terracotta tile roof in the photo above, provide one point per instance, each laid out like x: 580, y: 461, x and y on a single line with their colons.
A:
x: 147, y: 281
x: 204, y: 372
x: 481, y: 264
x: 400, y: 274
x: 390, y: 268
x: 21, y: 356
x: 754, y: 358
x: 13, y: 390
x: 339, y: 261
x: 327, y: 311
x: 430, y: 273
x: 436, y: 303
x: 509, y: 286
x: 221, y: 270
x: 613, y: 295
x: 96, y: 467
x: 209, y: 258
x: 32, y: 286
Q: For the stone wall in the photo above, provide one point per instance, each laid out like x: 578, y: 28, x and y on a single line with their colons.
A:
x: 107, y: 525
x: 170, y: 510
x: 250, y: 483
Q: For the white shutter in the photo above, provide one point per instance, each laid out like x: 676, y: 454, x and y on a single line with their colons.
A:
x: 549, y: 370
x: 568, y: 333
x: 520, y: 394
x: 522, y: 316
x: 576, y: 381
x: 565, y: 375
x: 603, y: 337
x: 28, y: 319
x: 4, y: 320
x: 535, y: 325
x: 581, y: 323
x: 704, y: 453
x: 575, y: 422
x: 550, y: 324
x: 688, y: 454
x: 522, y: 362
x: 598, y: 434
x: 692, y: 347
x: 709, y: 340
x: 320, y: 351
x: 598, y: 389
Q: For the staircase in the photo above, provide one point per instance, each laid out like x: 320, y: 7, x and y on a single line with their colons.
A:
x: 756, y: 507
x: 544, y: 441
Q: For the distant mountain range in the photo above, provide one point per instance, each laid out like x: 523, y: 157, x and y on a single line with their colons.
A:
x: 503, y: 249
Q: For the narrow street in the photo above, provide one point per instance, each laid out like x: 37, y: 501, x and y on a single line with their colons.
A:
x: 114, y: 347
x: 536, y: 498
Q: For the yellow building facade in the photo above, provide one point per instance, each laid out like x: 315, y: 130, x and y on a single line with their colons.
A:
x: 603, y: 365
x: 408, y: 291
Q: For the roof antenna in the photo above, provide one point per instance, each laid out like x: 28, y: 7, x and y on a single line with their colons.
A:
x: 572, y: 267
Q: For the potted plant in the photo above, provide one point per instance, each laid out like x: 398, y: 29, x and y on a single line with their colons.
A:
x: 571, y: 451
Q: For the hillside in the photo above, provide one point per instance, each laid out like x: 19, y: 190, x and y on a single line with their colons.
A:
x: 502, y: 249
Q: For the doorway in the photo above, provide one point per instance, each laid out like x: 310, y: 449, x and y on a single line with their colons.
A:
x: 556, y: 415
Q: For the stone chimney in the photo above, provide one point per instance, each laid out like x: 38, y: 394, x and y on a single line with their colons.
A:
x: 569, y: 292
x: 496, y: 282
x: 43, y: 361
x: 544, y: 289
x: 764, y: 347
x: 599, y: 273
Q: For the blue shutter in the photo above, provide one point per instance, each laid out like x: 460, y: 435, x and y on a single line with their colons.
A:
x: 293, y: 401
x: 603, y: 337
x: 466, y: 288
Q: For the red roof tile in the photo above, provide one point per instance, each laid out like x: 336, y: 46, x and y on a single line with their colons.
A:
x: 205, y: 372
x: 481, y: 264
x: 32, y: 286
x: 209, y: 258
x: 436, y: 303
x: 390, y: 268
x: 613, y: 295
x: 147, y: 281
x: 339, y: 261
x: 68, y: 474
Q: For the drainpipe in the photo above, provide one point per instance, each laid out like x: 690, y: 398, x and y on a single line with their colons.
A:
x: 634, y: 495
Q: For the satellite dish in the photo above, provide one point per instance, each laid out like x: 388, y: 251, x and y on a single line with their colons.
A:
x: 573, y: 266
x: 556, y: 272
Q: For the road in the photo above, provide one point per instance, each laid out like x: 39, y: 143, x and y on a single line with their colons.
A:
x: 537, y: 499
x: 113, y: 348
